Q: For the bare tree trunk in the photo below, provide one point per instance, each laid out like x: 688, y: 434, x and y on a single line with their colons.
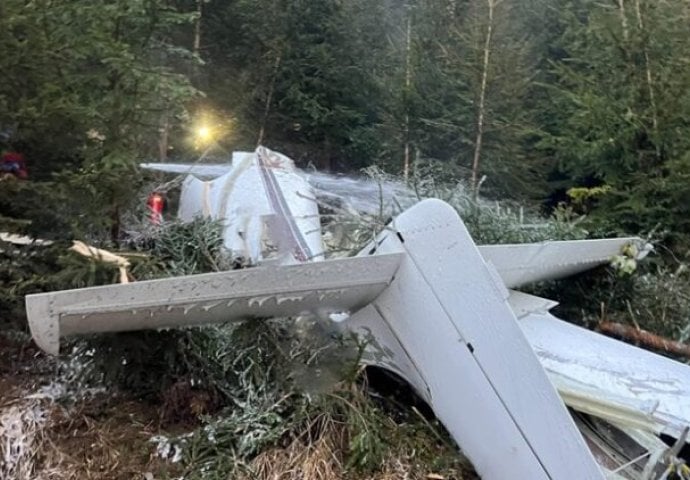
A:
x: 624, y: 20
x: 197, y: 27
x: 650, y: 84
x: 408, y: 83
x: 269, y: 99
x: 163, y: 138
x: 481, y: 109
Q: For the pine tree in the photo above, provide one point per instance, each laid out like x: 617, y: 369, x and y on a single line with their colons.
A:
x: 83, y: 87
x: 619, y: 100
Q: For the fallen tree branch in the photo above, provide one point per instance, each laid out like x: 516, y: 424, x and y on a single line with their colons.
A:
x: 644, y: 338
x: 104, y: 256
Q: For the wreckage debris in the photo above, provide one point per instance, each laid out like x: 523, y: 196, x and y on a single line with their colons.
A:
x: 437, y: 305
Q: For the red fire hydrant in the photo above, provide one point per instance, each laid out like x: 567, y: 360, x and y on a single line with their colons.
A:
x: 155, y: 202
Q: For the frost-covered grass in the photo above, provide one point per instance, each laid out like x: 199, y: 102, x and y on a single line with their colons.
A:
x: 350, y: 222
x: 21, y: 436
x: 53, y: 426
x: 270, y: 399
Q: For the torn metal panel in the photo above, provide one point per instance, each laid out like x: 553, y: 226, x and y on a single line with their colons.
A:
x: 623, y: 452
x: 611, y: 379
x: 261, y: 189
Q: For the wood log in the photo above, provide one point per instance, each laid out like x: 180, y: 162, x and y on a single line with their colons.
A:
x: 644, y: 338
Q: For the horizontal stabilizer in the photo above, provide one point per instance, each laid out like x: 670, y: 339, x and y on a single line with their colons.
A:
x: 343, y: 285
x: 201, y: 170
x: 524, y: 304
x: 520, y: 264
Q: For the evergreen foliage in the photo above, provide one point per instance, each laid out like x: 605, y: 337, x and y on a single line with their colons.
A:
x: 537, y: 96
x: 257, y: 388
x: 615, y: 92
x: 577, y: 101
x: 85, y: 88
x: 576, y: 107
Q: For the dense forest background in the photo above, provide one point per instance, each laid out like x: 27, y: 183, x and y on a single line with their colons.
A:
x: 536, y: 119
x: 528, y: 98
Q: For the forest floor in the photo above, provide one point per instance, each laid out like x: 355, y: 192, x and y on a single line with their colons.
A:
x: 53, y: 429
x: 92, y: 435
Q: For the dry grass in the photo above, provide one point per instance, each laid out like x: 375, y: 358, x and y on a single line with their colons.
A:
x: 305, y: 458
x: 102, y: 441
x: 21, y: 419
x: 92, y: 441
x: 98, y: 438
x: 320, y: 452
x: 321, y: 462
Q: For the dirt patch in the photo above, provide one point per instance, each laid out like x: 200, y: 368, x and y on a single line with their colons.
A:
x: 99, y: 437
x: 103, y: 439
x: 20, y: 368
x: 182, y: 404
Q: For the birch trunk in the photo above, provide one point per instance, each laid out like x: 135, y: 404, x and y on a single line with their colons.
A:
x: 196, y: 48
x: 650, y: 82
x: 164, y: 132
x: 408, y: 83
x: 481, y: 109
x: 624, y: 20
x: 269, y: 99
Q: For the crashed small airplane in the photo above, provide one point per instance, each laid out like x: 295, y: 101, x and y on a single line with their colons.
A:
x: 524, y: 394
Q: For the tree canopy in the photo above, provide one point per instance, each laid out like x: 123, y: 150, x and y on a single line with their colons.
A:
x: 525, y: 99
